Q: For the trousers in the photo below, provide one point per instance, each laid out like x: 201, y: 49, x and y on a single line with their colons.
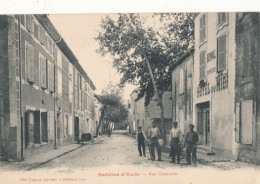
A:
x: 141, y: 144
x: 191, y: 150
x: 155, y: 143
x: 175, y: 149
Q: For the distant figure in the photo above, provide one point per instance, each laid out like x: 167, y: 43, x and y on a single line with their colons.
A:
x: 191, y: 141
x: 140, y: 139
x: 109, y: 132
x: 175, y: 135
x: 154, y: 134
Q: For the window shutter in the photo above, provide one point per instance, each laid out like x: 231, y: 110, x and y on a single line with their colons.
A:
x: 36, y: 31
x: 29, y: 23
x: 247, y: 122
x: 30, y: 63
x: 43, y: 72
x: 22, y: 19
x: 199, y: 123
x: 37, y: 126
x: 221, y: 42
x: 237, y: 123
x: 202, y: 65
x: 43, y: 38
x: 201, y: 32
x: 50, y: 76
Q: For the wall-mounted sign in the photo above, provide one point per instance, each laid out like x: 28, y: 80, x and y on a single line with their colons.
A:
x: 212, y: 70
x: 211, y: 56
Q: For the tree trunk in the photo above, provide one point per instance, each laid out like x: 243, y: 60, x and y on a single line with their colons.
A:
x: 159, y: 99
x: 100, y: 120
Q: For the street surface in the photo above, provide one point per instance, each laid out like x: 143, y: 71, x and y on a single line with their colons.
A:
x: 116, y: 159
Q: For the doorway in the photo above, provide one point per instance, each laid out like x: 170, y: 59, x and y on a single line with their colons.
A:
x: 203, y: 122
x: 76, y: 128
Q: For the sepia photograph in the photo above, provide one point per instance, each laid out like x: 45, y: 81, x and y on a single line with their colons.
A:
x: 130, y: 97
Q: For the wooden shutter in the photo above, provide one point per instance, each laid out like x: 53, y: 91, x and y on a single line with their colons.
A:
x: 51, y: 125
x: 201, y: 31
x: 29, y: 23
x: 202, y: 65
x: 36, y: 31
x: 247, y: 122
x: 43, y: 72
x: 50, y: 76
x: 43, y: 38
x: 30, y: 63
x: 237, y: 123
x: 221, y: 64
x: 199, y: 122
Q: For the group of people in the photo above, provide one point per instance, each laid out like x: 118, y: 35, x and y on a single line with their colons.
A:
x: 190, y: 143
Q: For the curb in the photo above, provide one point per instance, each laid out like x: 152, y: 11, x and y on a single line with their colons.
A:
x: 65, y: 153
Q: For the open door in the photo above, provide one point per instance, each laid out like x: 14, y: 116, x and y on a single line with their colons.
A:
x: 44, y: 126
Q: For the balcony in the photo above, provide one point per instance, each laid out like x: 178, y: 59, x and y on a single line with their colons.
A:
x: 222, y: 82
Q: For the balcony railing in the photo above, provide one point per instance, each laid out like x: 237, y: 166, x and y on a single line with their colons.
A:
x: 222, y: 82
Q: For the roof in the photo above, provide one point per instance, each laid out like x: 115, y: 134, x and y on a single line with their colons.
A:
x: 55, y: 35
x: 182, y: 58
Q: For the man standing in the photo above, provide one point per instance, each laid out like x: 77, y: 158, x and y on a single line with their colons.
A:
x: 154, y: 134
x: 175, y: 135
x: 140, y: 139
x: 191, y: 141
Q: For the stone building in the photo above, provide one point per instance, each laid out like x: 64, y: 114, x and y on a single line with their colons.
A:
x: 141, y: 115
x: 182, y: 90
x: 226, y: 83
x: 41, y: 85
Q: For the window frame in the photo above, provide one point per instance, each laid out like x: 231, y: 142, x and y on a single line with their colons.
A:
x: 40, y: 71
x: 26, y: 63
x: 202, y: 40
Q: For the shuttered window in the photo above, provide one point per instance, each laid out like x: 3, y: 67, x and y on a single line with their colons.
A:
x: 29, y: 56
x: 203, y: 28
x: 222, y: 53
x: 42, y: 36
x: 43, y: 72
x: 51, y: 76
x: 49, y: 44
x: 29, y: 23
x: 181, y: 81
x: 222, y: 18
x: 202, y: 64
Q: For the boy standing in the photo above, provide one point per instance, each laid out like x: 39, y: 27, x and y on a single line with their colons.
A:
x: 140, y: 139
x: 175, y: 135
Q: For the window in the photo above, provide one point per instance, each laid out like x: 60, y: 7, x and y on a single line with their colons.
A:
x: 181, y: 81
x: 42, y: 38
x: 202, y: 64
x: 203, y: 28
x: 51, y: 76
x: 43, y: 72
x: 29, y: 23
x: 49, y: 45
x: 29, y: 57
x: 222, y: 18
x: 222, y: 56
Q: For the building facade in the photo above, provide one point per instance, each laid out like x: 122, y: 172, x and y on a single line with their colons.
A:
x: 141, y: 115
x: 38, y: 96
x: 226, y: 83
x: 182, y: 91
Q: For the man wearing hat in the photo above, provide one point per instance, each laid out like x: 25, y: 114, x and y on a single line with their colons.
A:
x: 140, y: 139
x: 191, y: 141
x: 175, y: 135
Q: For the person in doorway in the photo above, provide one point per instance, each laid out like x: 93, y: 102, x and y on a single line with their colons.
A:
x: 153, y: 135
x: 191, y: 141
x: 141, y: 141
x: 175, y: 135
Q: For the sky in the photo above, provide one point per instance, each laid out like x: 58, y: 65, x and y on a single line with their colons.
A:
x: 79, y: 31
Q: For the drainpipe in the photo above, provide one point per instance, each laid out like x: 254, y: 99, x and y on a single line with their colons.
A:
x: 55, y: 100
x: 20, y: 86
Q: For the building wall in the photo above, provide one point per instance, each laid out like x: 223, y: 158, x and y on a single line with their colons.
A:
x: 247, y: 86
x: 217, y: 97
x: 182, y: 98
